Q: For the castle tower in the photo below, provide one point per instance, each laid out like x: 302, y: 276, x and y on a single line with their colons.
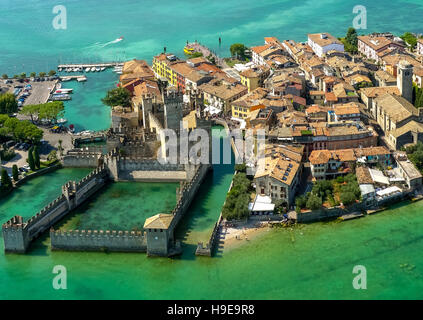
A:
x: 405, y: 80
x: 173, y: 105
x: 147, y: 107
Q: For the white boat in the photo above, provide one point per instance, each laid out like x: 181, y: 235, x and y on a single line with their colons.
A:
x: 93, y: 69
x: 103, y: 68
x: 87, y: 69
x: 63, y: 91
x: 81, y: 79
x: 58, y: 85
x: 75, y: 69
x: 60, y: 69
x: 62, y: 121
x: 68, y: 69
x: 98, y: 69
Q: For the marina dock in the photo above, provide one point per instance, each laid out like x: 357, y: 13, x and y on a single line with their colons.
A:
x: 91, y: 65
x: 76, y: 77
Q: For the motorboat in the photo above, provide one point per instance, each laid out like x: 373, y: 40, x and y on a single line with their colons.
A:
x: 62, y: 121
x: 93, y: 69
x: 60, y: 97
x: 87, y: 69
x: 103, y: 68
x: 98, y: 69
x: 81, y: 79
x: 58, y: 91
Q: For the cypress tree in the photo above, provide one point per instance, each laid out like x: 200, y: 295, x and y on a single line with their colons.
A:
x: 31, y: 161
x: 6, y: 183
x: 15, y: 172
x: 36, y: 156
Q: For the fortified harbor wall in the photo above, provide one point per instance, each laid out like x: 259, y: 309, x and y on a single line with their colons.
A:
x: 98, y: 240
x: 18, y: 235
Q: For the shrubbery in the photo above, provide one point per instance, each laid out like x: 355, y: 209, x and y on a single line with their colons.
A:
x: 346, y: 188
x: 236, y: 204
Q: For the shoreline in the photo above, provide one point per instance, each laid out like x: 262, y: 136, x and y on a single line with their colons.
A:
x: 240, y: 234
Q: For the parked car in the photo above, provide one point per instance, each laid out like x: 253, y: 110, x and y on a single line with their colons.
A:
x: 10, y: 143
x: 26, y: 167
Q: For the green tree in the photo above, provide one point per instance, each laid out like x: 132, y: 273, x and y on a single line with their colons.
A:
x: 238, y: 51
x: 314, y: 202
x: 301, y: 202
x: 4, y: 76
x: 117, y: 97
x: 6, y: 183
x: 51, y: 73
x: 30, y: 159
x: 15, y: 172
x: 36, y: 157
x: 351, y: 41
x: 32, y: 74
x: 52, y: 156
x: 42, y: 74
x: 347, y: 197
x: 240, y: 167
x: 22, y: 75
x: 51, y: 110
x: 8, y: 103
x: 410, y: 39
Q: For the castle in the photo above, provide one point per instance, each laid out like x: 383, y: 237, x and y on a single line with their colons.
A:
x: 132, y: 155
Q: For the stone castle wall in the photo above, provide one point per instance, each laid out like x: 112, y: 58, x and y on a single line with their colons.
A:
x: 81, y: 159
x: 18, y: 235
x: 98, y: 240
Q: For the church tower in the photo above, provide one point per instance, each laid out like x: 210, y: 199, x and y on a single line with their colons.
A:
x: 405, y: 80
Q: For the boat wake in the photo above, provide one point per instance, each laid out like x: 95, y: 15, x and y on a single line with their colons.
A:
x: 112, y: 42
x: 102, y: 45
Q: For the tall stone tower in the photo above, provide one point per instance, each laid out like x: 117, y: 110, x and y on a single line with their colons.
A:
x: 405, y: 80
x: 173, y: 105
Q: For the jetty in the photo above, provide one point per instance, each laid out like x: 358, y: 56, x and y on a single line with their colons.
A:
x: 76, y: 77
x: 350, y: 216
x: 91, y: 65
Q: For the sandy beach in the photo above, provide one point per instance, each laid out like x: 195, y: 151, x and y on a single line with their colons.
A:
x: 241, y: 233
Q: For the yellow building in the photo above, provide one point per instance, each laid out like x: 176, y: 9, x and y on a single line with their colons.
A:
x: 162, y: 67
x: 253, y: 78
x: 252, y: 101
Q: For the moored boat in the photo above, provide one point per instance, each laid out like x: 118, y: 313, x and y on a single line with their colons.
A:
x: 62, y: 121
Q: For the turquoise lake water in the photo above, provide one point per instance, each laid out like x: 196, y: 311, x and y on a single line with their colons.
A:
x: 312, y: 261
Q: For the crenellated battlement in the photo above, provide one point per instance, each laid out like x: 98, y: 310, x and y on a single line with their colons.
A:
x: 97, y: 240
x: 15, y: 223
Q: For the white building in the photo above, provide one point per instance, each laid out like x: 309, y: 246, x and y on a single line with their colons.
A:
x: 420, y: 47
x: 324, y: 42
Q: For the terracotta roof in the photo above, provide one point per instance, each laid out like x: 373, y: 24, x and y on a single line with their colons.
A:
x: 328, y: 40
x: 260, y: 49
x: 278, y: 168
x: 341, y: 110
x: 377, y: 42
x: 374, y: 92
x: 363, y: 175
x: 396, y: 107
